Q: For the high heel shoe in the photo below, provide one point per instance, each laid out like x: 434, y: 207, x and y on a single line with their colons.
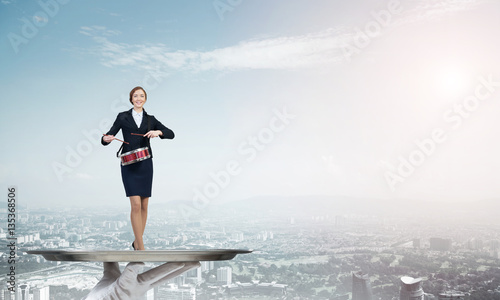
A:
x: 133, y: 247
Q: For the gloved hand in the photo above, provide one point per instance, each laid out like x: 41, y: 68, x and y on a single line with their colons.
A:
x: 131, y: 284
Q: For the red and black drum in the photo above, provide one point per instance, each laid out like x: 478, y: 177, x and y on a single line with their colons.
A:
x: 134, y: 156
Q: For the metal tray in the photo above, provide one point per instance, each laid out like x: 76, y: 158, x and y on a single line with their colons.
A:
x: 140, y: 256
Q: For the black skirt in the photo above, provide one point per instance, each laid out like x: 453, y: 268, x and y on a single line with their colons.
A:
x: 138, y: 178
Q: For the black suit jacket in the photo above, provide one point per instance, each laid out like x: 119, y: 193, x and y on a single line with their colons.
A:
x: 125, y: 121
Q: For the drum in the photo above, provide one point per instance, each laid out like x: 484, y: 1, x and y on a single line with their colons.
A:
x: 135, y: 156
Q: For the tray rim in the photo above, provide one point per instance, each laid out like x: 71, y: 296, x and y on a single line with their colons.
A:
x: 174, y: 255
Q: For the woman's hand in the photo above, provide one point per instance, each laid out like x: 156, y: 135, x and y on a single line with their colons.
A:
x: 153, y: 133
x: 108, y: 138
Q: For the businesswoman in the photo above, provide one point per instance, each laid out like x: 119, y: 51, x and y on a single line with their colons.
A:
x: 138, y: 128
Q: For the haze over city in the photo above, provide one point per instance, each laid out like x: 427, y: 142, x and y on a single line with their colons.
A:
x: 370, y: 99
x: 351, y: 144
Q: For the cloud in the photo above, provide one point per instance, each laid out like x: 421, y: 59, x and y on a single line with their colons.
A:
x: 327, y: 47
x: 40, y: 20
x: 98, y: 31
x: 271, y: 53
x: 428, y: 10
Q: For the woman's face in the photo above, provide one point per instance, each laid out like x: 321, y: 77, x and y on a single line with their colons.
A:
x: 138, y: 99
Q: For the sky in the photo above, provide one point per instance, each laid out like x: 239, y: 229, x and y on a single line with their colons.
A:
x: 373, y: 99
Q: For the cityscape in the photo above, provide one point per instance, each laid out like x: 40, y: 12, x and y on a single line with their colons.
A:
x: 303, y: 248
x: 348, y: 149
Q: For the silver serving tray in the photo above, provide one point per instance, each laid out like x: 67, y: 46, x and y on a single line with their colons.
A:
x: 140, y: 256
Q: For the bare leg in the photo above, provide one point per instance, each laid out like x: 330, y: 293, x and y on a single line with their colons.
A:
x: 144, y: 213
x: 136, y: 220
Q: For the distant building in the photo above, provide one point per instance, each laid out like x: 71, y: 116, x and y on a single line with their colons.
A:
x: 23, y: 292
x: 339, y: 221
x: 361, y: 288
x: 150, y: 295
x: 224, y: 275
x: 178, y: 280
x: 63, y: 244
x: 238, y: 236
x: 7, y: 295
x: 494, y: 245
x: 255, y: 289
x: 453, y: 295
x: 475, y: 244
x: 41, y: 293
x: 439, y: 244
x: 207, y: 266
x: 175, y: 292
x: 411, y: 289
x: 194, y: 276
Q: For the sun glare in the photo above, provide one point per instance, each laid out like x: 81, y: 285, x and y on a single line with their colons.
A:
x: 452, y: 81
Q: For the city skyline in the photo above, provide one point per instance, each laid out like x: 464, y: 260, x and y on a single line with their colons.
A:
x: 381, y: 100
x: 305, y: 252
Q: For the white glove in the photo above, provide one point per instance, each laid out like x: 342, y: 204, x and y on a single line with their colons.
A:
x: 130, y: 284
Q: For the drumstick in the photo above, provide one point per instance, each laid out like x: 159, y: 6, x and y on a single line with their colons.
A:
x: 116, y: 139
x: 137, y: 134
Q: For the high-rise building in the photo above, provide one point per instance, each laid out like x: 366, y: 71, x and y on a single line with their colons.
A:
x: 8, y: 295
x: 238, y: 236
x: 361, y: 288
x: 411, y: 289
x: 475, y: 244
x: 224, y: 275
x: 194, y: 276
x: 23, y: 292
x: 494, y: 244
x: 41, y: 293
x: 207, y: 265
x: 439, y: 244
